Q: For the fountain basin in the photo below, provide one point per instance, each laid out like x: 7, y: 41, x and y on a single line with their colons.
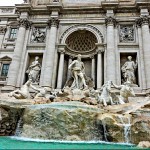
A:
x: 72, y: 121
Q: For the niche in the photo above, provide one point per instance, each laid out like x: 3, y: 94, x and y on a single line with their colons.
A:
x: 30, y: 61
x: 129, y: 68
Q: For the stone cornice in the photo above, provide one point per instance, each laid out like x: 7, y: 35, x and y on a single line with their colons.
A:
x: 142, y: 4
x: 110, y: 5
x: 55, y: 6
x: 23, y: 8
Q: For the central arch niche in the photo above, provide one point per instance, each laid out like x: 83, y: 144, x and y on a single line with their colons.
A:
x: 87, y: 40
x: 81, y: 41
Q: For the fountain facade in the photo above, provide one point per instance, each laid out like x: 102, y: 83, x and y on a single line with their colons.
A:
x: 74, y: 80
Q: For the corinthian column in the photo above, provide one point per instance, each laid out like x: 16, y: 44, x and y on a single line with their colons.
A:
x: 93, y: 68
x: 144, y: 23
x: 110, y: 52
x: 16, y: 60
x: 60, y: 69
x: 50, y: 53
x: 69, y: 72
x: 99, y: 68
x: 141, y: 55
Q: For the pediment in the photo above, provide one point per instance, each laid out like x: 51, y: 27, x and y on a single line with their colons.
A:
x: 6, y: 58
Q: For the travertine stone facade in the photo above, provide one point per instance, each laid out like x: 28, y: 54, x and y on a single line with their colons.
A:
x: 104, y: 32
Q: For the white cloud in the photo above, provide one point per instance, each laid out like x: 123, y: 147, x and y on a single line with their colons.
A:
x: 10, y: 2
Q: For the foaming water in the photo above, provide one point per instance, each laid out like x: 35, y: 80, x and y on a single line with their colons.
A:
x: 127, y: 128
x: 60, y: 141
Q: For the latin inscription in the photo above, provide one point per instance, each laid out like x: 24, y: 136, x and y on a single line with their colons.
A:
x: 82, y: 1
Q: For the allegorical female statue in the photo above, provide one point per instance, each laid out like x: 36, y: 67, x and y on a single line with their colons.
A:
x: 128, y: 70
x: 34, y: 70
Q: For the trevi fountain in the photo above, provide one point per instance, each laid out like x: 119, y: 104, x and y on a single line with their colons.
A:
x: 78, y: 74
x: 77, y: 112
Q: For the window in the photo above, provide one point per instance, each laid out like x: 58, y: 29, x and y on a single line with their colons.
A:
x: 13, y: 33
x: 4, y: 71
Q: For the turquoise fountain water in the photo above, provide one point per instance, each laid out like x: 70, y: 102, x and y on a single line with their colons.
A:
x: 24, y: 143
x: 19, y: 142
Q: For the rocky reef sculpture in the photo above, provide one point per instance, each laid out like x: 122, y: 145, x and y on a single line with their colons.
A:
x: 34, y: 71
x: 128, y: 71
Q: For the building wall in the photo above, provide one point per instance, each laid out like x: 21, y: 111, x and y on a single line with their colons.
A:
x: 121, y: 29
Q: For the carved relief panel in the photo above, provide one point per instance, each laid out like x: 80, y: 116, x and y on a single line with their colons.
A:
x: 126, y: 33
x: 38, y: 35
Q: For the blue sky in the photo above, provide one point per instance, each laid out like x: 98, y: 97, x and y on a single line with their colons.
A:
x: 10, y: 2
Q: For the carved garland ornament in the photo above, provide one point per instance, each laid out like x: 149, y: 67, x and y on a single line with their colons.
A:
x: 2, y: 30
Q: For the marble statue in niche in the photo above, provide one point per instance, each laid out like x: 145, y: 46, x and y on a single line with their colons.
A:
x: 126, y: 34
x: 34, y: 71
x: 38, y: 35
x: 78, y: 73
x: 128, y: 71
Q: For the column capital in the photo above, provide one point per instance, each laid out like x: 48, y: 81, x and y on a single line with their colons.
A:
x: 142, y: 20
x: 3, y: 30
x: 54, y: 21
x: 99, y: 51
x: 110, y: 21
x: 61, y: 51
x: 92, y: 56
x: 71, y: 57
x: 25, y: 23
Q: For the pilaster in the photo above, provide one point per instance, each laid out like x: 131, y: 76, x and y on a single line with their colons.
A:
x: 16, y: 60
x: 143, y: 23
x: 49, y: 54
x: 110, y: 52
